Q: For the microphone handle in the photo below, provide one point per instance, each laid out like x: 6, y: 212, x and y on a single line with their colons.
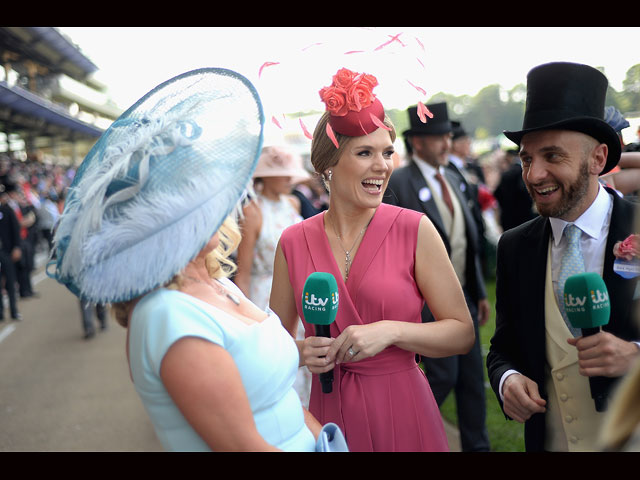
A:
x: 590, y: 331
x: 597, y: 385
x: 326, y: 378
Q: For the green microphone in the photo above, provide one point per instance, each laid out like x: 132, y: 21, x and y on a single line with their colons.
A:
x: 319, y: 307
x: 586, y: 303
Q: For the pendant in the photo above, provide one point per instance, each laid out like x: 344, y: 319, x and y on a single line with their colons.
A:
x: 347, y: 264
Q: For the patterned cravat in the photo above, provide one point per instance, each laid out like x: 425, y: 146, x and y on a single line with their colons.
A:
x: 445, y: 192
x: 571, y: 263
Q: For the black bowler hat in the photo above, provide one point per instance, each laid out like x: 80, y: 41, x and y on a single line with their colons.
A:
x: 437, y: 125
x: 568, y: 96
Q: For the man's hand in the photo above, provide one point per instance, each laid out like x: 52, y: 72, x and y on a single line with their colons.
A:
x: 484, y: 310
x: 604, y: 355
x: 521, y: 398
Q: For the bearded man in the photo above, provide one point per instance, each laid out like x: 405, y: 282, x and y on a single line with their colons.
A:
x: 539, y: 367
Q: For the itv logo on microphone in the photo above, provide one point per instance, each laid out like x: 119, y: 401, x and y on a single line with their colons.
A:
x: 597, y: 300
x: 313, y: 303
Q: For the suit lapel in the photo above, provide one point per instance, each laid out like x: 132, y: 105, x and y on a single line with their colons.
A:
x: 455, y: 181
x: 620, y: 228
x: 424, y: 198
x: 535, y: 250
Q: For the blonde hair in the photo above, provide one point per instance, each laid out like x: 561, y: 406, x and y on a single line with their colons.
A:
x: 219, y: 264
x: 623, y: 417
x: 324, y: 153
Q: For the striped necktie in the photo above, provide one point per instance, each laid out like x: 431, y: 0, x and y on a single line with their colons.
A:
x: 572, y: 263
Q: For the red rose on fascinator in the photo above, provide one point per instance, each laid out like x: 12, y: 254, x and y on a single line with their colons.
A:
x: 354, y: 109
x: 335, y: 98
x: 628, y: 248
x: 349, y: 92
x: 343, y: 78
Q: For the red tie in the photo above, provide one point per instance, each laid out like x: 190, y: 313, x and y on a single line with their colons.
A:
x: 445, y: 193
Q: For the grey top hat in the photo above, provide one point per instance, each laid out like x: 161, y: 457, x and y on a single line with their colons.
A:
x: 568, y: 96
x: 437, y: 125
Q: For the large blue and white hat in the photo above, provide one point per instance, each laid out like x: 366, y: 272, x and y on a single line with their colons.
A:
x: 157, y: 185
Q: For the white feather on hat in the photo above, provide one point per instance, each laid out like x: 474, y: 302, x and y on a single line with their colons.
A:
x: 158, y: 184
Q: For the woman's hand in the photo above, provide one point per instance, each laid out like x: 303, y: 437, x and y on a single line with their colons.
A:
x: 313, y: 353
x: 362, y: 341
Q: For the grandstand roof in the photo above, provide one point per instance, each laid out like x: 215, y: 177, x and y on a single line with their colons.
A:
x: 48, y: 47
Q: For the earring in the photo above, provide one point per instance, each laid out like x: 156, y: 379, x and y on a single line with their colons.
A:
x: 330, y: 175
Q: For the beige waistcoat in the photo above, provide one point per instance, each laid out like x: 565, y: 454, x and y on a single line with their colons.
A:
x: 572, y: 422
x: 455, y: 228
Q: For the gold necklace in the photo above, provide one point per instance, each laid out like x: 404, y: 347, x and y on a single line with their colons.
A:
x: 220, y: 289
x: 347, y: 253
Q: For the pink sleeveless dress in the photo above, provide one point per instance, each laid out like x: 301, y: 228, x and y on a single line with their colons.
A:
x: 383, y: 403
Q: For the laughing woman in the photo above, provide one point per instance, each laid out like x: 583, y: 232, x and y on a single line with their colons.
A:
x: 387, y: 262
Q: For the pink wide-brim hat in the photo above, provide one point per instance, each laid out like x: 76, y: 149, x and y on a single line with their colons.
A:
x: 278, y: 161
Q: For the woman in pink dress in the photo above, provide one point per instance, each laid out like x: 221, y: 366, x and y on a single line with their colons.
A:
x: 387, y: 262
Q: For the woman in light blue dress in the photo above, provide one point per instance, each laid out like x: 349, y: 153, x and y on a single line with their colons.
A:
x: 213, y: 370
x: 148, y: 226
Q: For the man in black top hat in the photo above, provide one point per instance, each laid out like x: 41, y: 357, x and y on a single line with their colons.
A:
x: 461, y: 153
x: 539, y: 368
x: 427, y: 186
x: 471, y: 178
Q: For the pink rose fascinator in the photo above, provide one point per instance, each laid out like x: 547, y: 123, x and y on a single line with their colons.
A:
x: 354, y: 108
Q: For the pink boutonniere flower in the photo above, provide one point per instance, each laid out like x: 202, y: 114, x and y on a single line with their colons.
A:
x: 628, y: 248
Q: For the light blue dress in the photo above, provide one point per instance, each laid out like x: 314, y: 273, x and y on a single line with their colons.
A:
x: 265, y: 354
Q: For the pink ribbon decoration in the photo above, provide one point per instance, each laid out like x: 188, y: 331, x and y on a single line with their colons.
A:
x: 332, y: 135
x: 266, y: 64
x: 424, y: 112
x: 305, y: 131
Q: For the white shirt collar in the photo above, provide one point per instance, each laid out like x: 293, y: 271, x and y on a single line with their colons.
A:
x: 428, y: 171
x: 456, y: 160
x: 590, y: 222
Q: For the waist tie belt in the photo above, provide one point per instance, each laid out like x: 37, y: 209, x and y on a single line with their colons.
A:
x: 390, y: 360
x: 327, y: 407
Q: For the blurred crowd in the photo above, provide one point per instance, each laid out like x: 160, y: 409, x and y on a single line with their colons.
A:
x: 31, y: 200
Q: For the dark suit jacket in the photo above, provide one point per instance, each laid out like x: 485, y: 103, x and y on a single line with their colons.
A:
x: 513, y: 198
x: 404, y: 189
x: 519, y: 339
x: 9, y: 229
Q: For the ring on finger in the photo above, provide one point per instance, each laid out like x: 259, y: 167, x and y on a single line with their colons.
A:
x: 352, y: 352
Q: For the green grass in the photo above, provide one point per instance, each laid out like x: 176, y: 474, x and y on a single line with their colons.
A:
x: 504, y: 435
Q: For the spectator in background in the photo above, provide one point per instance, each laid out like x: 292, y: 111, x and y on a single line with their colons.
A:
x: 479, y: 198
x: 424, y: 185
x: 625, y: 177
x: 27, y: 219
x: 516, y: 206
x: 87, y: 308
x: 48, y: 215
x: 265, y: 218
x: 10, y: 252
x: 462, y: 155
x: 314, y: 191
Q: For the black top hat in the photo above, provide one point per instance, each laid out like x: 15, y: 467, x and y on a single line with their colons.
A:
x: 458, y: 130
x: 437, y: 125
x: 568, y: 96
